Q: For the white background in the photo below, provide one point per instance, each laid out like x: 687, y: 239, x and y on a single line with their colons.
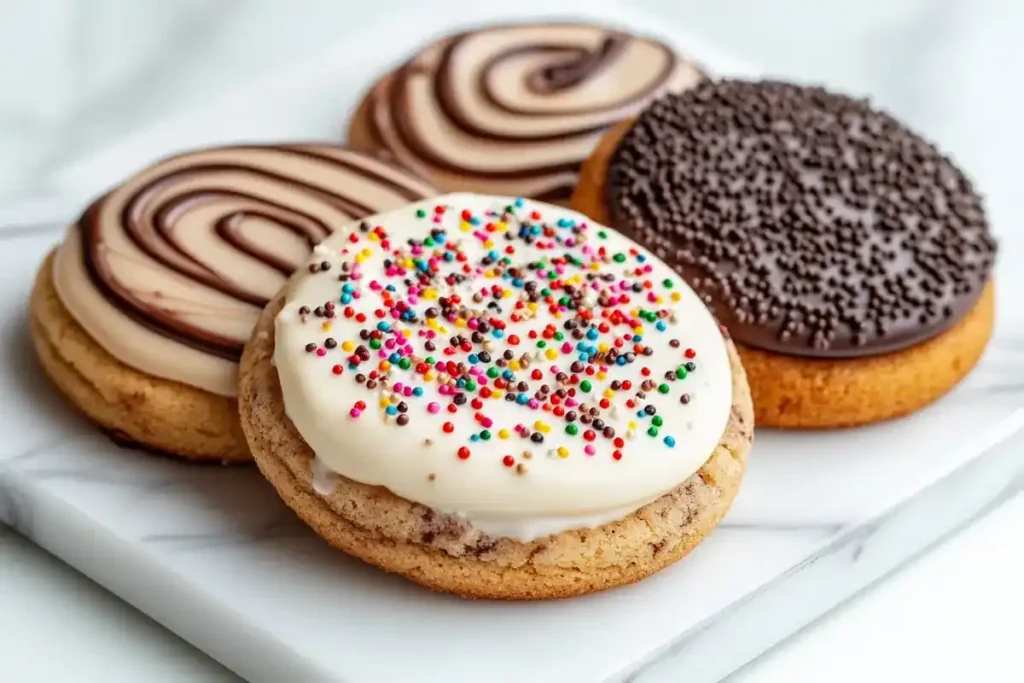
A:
x: 77, y: 73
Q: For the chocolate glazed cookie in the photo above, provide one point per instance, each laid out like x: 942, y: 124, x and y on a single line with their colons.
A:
x: 515, y: 109
x: 849, y: 258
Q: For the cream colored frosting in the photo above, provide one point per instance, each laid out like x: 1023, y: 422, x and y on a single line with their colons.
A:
x: 199, y: 242
x: 509, y: 485
x: 521, y: 527
x: 486, y: 119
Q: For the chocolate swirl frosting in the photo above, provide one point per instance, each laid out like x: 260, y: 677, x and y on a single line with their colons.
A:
x: 515, y: 109
x: 191, y: 249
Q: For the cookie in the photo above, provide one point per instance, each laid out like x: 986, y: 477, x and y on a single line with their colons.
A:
x: 850, y: 260
x: 496, y: 399
x: 515, y: 108
x: 140, y: 315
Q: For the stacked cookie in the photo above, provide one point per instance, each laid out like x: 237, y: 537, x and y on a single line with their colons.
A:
x: 499, y: 397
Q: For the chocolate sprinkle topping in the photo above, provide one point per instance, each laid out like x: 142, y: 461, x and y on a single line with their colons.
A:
x: 811, y: 224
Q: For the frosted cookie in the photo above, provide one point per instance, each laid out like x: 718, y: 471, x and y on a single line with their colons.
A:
x: 140, y: 315
x: 515, y: 108
x: 850, y: 260
x: 497, y: 399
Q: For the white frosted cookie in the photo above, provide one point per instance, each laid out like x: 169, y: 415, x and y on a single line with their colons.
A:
x: 498, y: 399
x: 141, y: 313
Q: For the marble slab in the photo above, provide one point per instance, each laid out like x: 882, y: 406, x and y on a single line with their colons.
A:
x: 214, y: 556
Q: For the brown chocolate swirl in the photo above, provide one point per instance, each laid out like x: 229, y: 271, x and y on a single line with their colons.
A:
x: 515, y: 109
x: 194, y: 247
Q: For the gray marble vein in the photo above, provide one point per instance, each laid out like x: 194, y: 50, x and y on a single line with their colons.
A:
x: 277, y: 530
x: 15, y: 510
x: 865, y: 551
x: 8, y: 232
x: 821, y: 530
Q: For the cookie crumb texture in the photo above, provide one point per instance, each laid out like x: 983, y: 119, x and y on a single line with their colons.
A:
x: 444, y: 552
x: 136, y: 409
x: 816, y: 393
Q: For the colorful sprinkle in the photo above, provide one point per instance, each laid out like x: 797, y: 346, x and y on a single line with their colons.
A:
x: 603, y: 313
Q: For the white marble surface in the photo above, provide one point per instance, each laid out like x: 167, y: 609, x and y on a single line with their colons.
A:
x: 60, y: 627
x: 108, y: 69
x: 212, y: 554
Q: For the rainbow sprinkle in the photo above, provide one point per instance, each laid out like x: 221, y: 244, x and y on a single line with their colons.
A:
x: 486, y: 344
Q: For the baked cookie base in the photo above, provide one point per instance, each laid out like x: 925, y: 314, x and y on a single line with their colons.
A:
x: 136, y: 409
x: 446, y: 554
x: 811, y: 393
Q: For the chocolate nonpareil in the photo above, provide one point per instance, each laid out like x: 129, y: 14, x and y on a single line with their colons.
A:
x: 813, y: 224
x: 817, y: 228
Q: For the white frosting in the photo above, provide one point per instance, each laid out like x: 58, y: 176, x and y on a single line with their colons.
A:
x: 524, y: 528
x: 543, y: 491
x: 528, y: 528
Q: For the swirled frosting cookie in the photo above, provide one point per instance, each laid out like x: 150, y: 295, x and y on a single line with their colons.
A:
x: 140, y: 315
x: 849, y: 258
x: 515, y: 108
x: 496, y: 398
